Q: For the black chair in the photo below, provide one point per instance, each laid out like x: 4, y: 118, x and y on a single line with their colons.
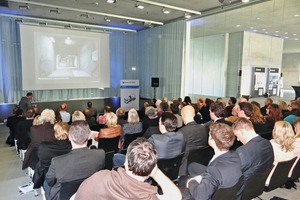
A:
x: 109, y: 160
x: 128, y: 138
x: 170, y: 167
x: 267, y: 135
x: 201, y: 155
x: 96, y: 127
x: 228, y: 193
x: 109, y: 144
x: 255, y: 184
x: 296, y: 170
x: 280, y: 175
x: 67, y: 189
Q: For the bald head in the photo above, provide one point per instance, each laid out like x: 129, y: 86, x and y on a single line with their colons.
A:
x: 188, y: 114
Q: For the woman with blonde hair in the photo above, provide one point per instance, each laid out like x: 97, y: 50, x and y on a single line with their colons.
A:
x: 50, y: 149
x: 111, y: 129
x: 296, y: 150
x: 78, y: 115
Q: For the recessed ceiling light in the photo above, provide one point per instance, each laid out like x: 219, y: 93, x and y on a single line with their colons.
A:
x: 187, y: 15
x: 255, y: 30
x: 286, y: 37
x: 276, y: 31
x: 245, y: 1
x: 258, y: 18
x: 296, y: 38
x: 26, y: 7
x: 238, y: 25
x: 129, y: 22
x: 276, y: 35
x: 97, y: 3
x: 266, y: 32
x: 139, y: 6
x: 263, y: 29
x: 107, y: 19
x: 111, y: 1
x: 165, y: 11
x: 286, y: 33
x: 294, y: 34
x: 55, y: 11
x: 251, y: 27
x: 296, y: 15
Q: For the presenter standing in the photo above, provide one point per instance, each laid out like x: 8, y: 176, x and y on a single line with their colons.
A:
x: 25, y: 102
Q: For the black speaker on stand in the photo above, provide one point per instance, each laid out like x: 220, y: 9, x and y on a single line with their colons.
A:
x: 154, y: 84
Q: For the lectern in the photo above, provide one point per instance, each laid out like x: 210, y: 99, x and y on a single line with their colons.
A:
x: 297, y: 91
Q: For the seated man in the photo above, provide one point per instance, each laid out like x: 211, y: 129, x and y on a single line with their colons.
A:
x: 169, y: 143
x: 79, y: 164
x: 224, y: 169
x: 128, y: 183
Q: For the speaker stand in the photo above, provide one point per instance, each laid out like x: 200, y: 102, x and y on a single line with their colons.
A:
x: 154, y: 92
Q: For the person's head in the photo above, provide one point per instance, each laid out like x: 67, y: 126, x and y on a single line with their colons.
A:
x: 29, y: 95
x: 268, y: 101
x: 217, y: 110
x: 133, y: 116
x: 89, y: 104
x: 167, y: 122
x: 256, y: 116
x: 29, y: 113
x: 283, y: 105
x: 151, y: 112
x: 61, y: 130
x: 107, y: 109
x: 79, y: 132
x: 37, y: 121
x: 77, y: 115
x: 120, y: 112
x: 235, y: 110
x: 111, y: 119
x: 296, y: 125
x: 231, y: 101
x: 245, y: 109
x: 187, y: 100
x: 57, y: 116
x: 188, y: 114
x: 274, y: 112
x: 243, y: 129
x: 221, y: 100
x: 47, y: 115
x: 146, y: 104
x: 221, y: 136
x: 175, y: 108
x: 295, y: 106
x: 86, y: 112
x: 283, y: 135
x: 63, y: 107
x: 243, y: 99
x: 255, y: 103
x: 207, y: 102
x: 19, y: 112
x: 164, y: 106
x: 141, y: 157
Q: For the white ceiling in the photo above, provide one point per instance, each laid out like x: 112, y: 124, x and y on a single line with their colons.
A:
x: 264, y: 16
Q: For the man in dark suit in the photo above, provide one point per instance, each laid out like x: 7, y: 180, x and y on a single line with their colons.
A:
x: 195, y: 135
x: 218, y: 113
x: 79, y: 164
x: 12, y: 123
x: 169, y: 143
x: 256, y: 153
x: 25, y: 102
x: 224, y: 169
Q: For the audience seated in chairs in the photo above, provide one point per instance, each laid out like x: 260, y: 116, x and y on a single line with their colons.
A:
x: 296, y: 144
x: 65, y: 116
x: 78, y: 115
x: 224, y: 170
x: 79, y: 164
x: 129, y: 183
x: 102, y: 119
x: 151, y: 120
x: 39, y: 134
x: 50, y: 149
x: 120, y: 112
x: 12, y: 122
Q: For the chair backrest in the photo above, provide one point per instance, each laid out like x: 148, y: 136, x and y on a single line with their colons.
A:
x: 228, y: 193
x: 255, y: 184
x: 267, y: 135
x: 128, y: 138
x: 109, y: 144
x: 109, y: 159
x: 201, y: 155
x: 170, y: 167
x: 96, y: 127
x: 67, y: 189
x: 280, y: 174
x: 296, y: 170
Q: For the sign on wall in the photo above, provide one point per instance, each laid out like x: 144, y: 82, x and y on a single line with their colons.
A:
x: 130, y: 92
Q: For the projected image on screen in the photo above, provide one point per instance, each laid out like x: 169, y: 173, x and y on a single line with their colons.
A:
x: 63, y: 59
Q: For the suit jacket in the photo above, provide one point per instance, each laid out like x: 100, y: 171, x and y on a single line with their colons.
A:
x: 223, y: 172
x: 47, y: 151
x: 23, y: 132
x: 256, y: 156
x: 25, y: 103
x: 38, y: 134
x: 196, y: 136
x: 79, y: 164
x: 168, y: 145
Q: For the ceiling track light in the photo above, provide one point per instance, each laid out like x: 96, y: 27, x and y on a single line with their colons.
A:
x: 111, y: 1
x: 187, y: 15
x: 129, y: 22
x: 55, y: 11
x: 24, y: 7
x: 84, y: 15
x: 165, y: 11
x: 139, y: 6
x: 107, y: 19
x: 245, y: 1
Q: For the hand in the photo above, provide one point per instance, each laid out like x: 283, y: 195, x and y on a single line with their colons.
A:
x: 196, y: 178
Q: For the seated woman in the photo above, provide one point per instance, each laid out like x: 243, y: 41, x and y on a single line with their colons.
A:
x: 111, y: 129
x: 282, y: 143
x: 133, y: 126
x: 50, y: 149
x: 296, y: 150
x: 258, y: 121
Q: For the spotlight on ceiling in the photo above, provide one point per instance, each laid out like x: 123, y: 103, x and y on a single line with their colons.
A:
x: 225, y: 2
x: 139, y: 6
x: 165, y: 11
x: 245, y: 1
x: 55, y: 11
x: 111, y: 1
x: 26, y: 7
x: 187, y: 15
x: 107, y: 19
x: 84, y: 15
x: 130, y: 22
